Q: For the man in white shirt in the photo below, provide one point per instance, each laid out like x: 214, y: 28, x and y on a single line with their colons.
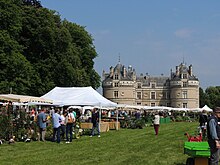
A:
x: 56, y: 119
x: 156, y: 123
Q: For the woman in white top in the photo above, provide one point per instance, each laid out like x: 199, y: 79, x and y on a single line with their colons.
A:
x: 156, y: 123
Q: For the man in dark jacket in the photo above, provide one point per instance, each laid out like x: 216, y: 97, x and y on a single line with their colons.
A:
x: 213, y: 134
x: 203, y: 118
x: 95, y: 122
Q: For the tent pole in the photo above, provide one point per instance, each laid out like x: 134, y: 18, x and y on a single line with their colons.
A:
x: 100, y: 113
x: 117, y: 121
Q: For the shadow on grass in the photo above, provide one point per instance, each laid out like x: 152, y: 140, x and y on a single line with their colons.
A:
x: 180, y: 164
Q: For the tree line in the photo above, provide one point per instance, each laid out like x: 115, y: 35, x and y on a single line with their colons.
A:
x: 39, y: 51
x: 210, y: 96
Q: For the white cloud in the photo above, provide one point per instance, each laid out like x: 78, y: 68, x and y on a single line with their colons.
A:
x: 183, y: 33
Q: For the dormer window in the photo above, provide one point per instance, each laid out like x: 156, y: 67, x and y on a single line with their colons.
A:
x: 116, y: 77
x: 153, y: 85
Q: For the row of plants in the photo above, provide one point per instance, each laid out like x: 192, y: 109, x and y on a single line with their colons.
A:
x: 131, y: 122
x: 18, y: 124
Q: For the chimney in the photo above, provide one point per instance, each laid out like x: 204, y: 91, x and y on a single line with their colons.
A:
x: 190, y: 70
x: 103, y: 74
x: 124, y: 72
x: 111, y: 71
x: 177, y: 70
x: 171, y: 73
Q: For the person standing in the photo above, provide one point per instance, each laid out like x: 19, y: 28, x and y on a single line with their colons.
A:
x: 156, y: 122
x: 69, y: 126
x: 203, y: 117
x: 213, y: 135
x: 63, y: 124
x: 95, y: 122
x: 56, y: 119
x: 41, y: 119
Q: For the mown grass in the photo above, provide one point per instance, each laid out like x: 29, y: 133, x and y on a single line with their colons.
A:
x: 126, y: 146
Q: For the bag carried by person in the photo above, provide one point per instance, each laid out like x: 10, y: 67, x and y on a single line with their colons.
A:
x: 70, y: 119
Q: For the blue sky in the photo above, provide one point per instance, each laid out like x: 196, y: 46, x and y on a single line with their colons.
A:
x: 153, y: 36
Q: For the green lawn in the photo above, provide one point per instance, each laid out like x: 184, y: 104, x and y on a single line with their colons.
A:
x: 126, y: 146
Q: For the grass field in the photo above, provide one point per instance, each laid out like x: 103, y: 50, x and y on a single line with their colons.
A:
x: 126, y: 146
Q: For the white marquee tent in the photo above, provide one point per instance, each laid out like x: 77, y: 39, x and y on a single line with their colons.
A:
x: 25, y: 99
x: 77, y: 96
x: 206, y: 108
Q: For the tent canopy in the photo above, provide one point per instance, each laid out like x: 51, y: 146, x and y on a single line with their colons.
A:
x: 24, y: 98
x: 206, y: 108
x: 77, y: 96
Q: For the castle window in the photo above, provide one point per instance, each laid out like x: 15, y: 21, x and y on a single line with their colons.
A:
x: 168, y: 105
x: 153, y: 85
x: 115, y: 94
x: 184, y: 105
x: 116, y: 77
x: 153, y: 95
x: 184, y: 76
x: 139, y: 85
x: 138, y: 95
x: 164, y: 94
x: 116, y: 84
x: 184, y: 84
x: 168, y: 95
x: 152, y: 104
x: 185, y: 94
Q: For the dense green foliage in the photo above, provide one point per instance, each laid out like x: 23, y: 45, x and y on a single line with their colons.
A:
x: 126, y: 146
x: 210, y: 97
x: 39, y: 51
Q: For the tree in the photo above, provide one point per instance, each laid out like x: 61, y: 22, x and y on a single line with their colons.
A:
x: 40, y: 51
x: 34, y: 3
x: 10, y: 17
x: 202, y: 98
x: 213, y: 96
x: 15, y: 71
x: 84, y: 44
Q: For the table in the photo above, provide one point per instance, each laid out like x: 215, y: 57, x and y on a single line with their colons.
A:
x: 114, y: 125
x: 104, y: 126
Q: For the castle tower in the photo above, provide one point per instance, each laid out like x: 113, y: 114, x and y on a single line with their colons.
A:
x: 118, y: 86
x: 184, y: 88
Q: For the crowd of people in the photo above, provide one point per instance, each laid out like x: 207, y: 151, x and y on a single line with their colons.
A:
x: 63, y: 123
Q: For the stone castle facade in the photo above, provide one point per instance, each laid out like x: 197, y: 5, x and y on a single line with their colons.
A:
x: 180, y: 90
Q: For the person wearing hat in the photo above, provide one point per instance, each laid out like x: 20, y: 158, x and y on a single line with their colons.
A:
x: 213, y: 135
